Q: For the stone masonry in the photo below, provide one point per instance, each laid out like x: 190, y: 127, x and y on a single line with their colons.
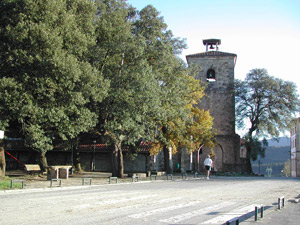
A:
x: 217, y: 70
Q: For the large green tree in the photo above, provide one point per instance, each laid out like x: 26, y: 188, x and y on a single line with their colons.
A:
x: 179, y: 90
x: 132, y: 100
x: 266, y: 105
x: 46, y: 80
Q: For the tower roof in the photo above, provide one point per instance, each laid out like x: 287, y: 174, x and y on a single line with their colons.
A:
x: 211, y: 53
x: 212, y: 41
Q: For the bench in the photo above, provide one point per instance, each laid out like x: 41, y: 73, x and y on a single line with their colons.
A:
x: 32, y: 168
x: 55, y: 172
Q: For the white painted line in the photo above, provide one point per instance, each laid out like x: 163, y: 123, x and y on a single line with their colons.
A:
x: 164, y: 209
x: 143, y: 204
x: 230, y: 215
x: 186, y: 216
x: 114, y: 201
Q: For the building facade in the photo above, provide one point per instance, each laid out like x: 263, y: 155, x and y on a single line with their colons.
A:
x: 295, y: 148
x: 217, y: 70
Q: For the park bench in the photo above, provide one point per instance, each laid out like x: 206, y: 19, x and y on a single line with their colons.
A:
x: 32, y: 168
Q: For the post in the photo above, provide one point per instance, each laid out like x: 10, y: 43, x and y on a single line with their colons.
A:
x: 256, y: 212
x: 72, y: 158
x: 280, y: 202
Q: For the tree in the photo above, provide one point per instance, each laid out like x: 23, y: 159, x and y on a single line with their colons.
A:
x: 125, y: 115
x: 179, y: 90
x: 46, y: 81
x: 267, y: 104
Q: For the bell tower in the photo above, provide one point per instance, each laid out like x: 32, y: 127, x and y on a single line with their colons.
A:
x: 217, y: 71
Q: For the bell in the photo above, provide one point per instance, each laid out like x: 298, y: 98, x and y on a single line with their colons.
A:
x: 211, y: 47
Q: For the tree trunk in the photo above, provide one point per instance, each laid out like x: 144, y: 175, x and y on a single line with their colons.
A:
x: 117, y: 161
x: 2, y: 162
x: 76, y: 158
x: 248, y: 167
x: 168, y: 168
x: 43, y: 161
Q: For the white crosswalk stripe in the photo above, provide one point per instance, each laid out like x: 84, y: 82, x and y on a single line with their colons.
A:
x: 164, y: 209
x: 186, y: 216
x: 230, y: 215
x: 114, y: 201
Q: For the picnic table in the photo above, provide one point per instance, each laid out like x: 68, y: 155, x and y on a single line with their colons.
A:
x: 58, y: 171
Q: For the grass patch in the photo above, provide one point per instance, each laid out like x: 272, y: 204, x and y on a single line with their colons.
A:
x: 6, y: 182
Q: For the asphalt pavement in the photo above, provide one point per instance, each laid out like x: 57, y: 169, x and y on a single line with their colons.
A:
x: 289, y: 214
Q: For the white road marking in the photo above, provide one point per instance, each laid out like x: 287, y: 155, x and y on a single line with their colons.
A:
x: 185, y: 216
x: 230, y: 215
x: 143, y: 204
x: 164, y: 209
x: 113, y: 201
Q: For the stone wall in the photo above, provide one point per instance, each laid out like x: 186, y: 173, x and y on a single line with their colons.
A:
x: 219, y: 100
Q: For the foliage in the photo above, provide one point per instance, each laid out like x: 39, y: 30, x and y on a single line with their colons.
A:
x: 287, y: 169
x: 257, y: 147
x: 132, y: 98
x: 267, y: 104
x: 74, y: 66
x: 46, y: 79
x: 179, y: 90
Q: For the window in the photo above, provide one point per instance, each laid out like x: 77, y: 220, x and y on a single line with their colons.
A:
x: 211, y: 75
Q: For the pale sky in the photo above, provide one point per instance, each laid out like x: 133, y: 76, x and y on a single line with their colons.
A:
x: 263, y: 33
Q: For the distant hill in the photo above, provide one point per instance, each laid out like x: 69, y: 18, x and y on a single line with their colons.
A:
x: 276, y: 155
x: 282, y: 141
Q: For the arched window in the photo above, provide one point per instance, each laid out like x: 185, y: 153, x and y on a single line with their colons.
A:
x: 211, y: 75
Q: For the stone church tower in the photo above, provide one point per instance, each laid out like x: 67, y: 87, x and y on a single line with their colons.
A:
x: 217, y: 71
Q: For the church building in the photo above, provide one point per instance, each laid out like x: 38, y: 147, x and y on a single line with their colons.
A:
x: 217, y: 70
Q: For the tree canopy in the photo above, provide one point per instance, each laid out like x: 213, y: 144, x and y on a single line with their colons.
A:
x: 71, y: 68
x: 46, y: 80
x: 265, y: 103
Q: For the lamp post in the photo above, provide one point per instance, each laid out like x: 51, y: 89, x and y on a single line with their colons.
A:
x: 94, y: 158
x: 72, y: 158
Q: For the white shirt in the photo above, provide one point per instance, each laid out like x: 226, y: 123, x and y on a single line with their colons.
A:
x: 207, y: 162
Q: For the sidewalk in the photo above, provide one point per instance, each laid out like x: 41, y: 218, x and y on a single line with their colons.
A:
x: 76, y: 179
x: 288, y: 215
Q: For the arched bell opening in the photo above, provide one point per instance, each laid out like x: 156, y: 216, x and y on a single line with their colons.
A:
x: 211, y: 75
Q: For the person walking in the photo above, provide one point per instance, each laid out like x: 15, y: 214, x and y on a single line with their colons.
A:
x: 208, y: 165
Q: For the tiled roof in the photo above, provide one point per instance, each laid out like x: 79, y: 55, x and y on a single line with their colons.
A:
x: 144, y: 147
x: 211, y: 53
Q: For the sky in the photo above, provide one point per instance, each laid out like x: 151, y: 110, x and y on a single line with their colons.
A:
x: 263, y: 33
